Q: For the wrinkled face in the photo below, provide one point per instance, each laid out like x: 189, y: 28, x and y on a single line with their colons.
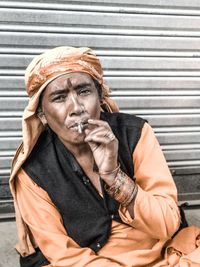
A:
x: 67, y: 101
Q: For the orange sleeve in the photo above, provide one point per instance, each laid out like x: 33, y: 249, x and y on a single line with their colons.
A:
x: 155, y: 207
x: 45, y: 223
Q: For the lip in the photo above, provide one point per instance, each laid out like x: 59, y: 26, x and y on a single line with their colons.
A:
x: 79, y: 127
x: 75, y: 124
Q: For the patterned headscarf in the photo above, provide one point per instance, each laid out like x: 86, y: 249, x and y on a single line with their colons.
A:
x: 61, y: 60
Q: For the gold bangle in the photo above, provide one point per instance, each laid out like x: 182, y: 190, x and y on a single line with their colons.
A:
x: 126, y: 192
x: 123, y: 189
x: 131, y: 197
x: 116, y: 185
x: 110, y: 172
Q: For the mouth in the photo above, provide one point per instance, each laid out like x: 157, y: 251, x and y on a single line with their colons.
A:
x: 79, y: 126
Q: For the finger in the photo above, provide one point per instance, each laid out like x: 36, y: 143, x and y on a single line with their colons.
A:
x: 105, y: 138
x: 93, y: 146
x: 99, y: 140
x: 97, y: 130
x: 99, y: 123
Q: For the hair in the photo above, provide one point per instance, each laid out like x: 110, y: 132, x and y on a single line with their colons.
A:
x: 39, y: 107
x: 98, y: 87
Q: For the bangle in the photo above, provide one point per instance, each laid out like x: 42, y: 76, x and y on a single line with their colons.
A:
x: 130, y: 197
x: 123, y: 189
x: 110, y: 172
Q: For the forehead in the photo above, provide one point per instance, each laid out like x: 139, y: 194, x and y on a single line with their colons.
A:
x: 76, y: 78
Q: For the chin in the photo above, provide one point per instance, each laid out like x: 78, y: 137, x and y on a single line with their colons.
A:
x: 79, y: 139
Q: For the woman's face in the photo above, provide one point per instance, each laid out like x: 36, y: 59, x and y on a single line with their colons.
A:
x: 68, y: 100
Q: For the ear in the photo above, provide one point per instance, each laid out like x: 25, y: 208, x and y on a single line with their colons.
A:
x: 42, y: 118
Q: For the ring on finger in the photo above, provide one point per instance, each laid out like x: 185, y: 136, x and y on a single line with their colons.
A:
x: 111, y: 136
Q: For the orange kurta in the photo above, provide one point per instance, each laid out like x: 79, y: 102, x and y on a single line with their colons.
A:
x: 137, y: 243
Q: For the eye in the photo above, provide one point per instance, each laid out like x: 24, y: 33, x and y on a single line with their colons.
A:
x: 84, y: 91
x: 59, y: 98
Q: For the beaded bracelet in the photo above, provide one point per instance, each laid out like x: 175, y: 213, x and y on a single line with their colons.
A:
x: 123, y: 189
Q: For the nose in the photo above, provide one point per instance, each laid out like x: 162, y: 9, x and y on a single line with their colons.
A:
x: 75, y: 106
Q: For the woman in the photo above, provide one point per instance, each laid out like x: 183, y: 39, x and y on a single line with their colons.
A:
x: 91, y: 185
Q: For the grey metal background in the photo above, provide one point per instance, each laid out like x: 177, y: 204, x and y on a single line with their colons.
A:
x: 150, y: 51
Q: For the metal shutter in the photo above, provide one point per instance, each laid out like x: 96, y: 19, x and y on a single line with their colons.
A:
x: 150, y: 51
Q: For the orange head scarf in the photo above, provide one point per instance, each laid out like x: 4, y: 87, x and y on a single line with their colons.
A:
x: 61, y: 60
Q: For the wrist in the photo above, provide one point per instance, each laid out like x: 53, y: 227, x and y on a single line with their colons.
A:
x: 109, y: 176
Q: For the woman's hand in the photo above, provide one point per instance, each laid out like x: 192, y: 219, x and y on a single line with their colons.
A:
x: 104, y: 146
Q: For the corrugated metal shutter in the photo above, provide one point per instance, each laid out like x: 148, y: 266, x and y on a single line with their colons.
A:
x: 150, y: 51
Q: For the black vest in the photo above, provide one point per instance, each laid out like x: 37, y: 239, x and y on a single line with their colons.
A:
x: 86, y: 215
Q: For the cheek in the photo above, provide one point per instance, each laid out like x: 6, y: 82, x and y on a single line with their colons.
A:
x: 94, y: 108
x: 54, y: 115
